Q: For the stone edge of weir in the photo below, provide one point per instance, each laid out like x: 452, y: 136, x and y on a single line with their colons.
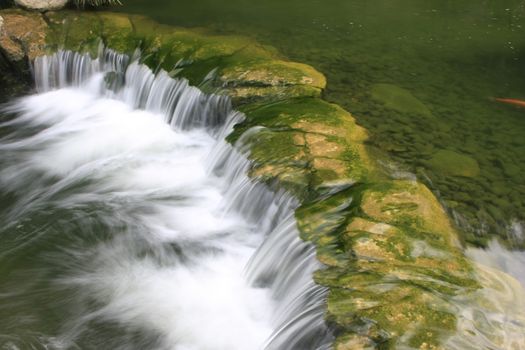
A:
x: 396, y: 271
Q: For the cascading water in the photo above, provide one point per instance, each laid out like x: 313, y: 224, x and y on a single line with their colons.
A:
x: 130, y: 222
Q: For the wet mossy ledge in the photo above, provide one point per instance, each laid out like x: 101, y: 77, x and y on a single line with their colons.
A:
x: 395, y: 268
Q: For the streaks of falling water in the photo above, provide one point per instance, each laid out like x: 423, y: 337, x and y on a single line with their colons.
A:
x: 130, y: 222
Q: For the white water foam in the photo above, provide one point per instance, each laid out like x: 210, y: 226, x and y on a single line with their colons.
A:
x: 500, y: 258
x: 147, y: 161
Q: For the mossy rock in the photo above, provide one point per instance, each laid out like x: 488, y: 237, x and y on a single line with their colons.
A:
x: 407, y: 203
x: 393, y: 264
x: 398, y: 99
x: 452, y: 163
x: 270, y: 77
x: 246, y: 70
x: 326, y: 136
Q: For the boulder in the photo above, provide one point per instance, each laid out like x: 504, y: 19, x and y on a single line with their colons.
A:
x: 399, y: 99
x: 22, y: 34
x: 42, y: 5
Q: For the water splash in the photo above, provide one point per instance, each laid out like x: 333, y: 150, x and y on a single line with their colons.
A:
x: 497, y: 257
x: 131, y: 223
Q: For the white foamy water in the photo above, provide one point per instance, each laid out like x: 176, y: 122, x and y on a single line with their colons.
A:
x: 146, y: 231
x: 498, y: 257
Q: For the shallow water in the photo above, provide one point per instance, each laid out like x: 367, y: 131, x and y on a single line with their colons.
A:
x: 130, y: 224
x: 446, y: 59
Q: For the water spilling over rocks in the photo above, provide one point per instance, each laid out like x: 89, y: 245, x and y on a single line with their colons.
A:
x: 395, y: 271
x: 154, y: 237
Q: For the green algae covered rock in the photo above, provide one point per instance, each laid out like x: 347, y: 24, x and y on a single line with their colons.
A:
x: 399, y: 99
x: 448, y: 162
x: 394, y: 264
x: 395, y: 271
x: 317, y: 140
x: 249, y: 71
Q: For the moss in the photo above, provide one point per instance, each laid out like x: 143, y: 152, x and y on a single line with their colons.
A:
x: 394, y: 264
x: 410, y: 203
x: 397, y: 314
x: 378, y: 289
x: 330, y: 136
x: 324, y: 217
x: 451, y: 163
x: 276, y: 156
x: 270, y: 72
x: 250, y: 71
x: 399, y: 99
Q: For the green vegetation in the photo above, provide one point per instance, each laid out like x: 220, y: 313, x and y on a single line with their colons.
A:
x: 394, y: 265
x: 399, y: 99
x: 450, y: 163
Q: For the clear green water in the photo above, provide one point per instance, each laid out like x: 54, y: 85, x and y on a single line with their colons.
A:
x: 440, y: 62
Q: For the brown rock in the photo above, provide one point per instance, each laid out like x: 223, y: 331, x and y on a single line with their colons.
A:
x: 22, y: 35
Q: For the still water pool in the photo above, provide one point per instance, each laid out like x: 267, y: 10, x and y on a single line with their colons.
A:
x: 422, y: 76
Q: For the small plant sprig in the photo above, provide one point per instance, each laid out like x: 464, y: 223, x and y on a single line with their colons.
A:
x: 96, y: 3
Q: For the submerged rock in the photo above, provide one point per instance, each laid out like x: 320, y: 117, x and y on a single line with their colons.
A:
x: 399, y: 99
x: 452, y: 163
x: 42, y: 5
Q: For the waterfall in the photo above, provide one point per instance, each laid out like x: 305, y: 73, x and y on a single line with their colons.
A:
x: 131, y: 223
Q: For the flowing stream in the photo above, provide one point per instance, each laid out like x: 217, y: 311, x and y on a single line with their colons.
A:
x: 420, y: 76
x: 130, y: 222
